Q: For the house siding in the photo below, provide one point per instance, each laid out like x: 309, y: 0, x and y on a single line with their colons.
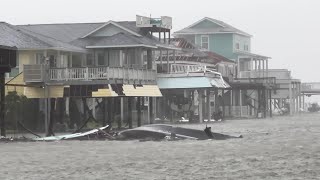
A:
x: 242, y: 40
x: 219, y: 43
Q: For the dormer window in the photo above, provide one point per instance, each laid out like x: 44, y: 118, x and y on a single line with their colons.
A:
x: 205, y: 42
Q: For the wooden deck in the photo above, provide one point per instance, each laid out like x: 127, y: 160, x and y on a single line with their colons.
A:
x: 39, y: 73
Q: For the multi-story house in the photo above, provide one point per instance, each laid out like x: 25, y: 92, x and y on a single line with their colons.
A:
x: 251, y: 86
x: 190, y: 83
x: 109, y: 61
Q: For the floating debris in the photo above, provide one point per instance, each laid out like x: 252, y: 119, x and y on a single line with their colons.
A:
x: 162, y: 131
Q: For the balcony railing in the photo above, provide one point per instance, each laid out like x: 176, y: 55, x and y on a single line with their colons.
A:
x: 252, y: 74
x: 184, y: 68
x: 36, y: 73
x: 310, y: 87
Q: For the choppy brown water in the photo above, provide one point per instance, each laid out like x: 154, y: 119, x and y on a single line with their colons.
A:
x: 279, y: 148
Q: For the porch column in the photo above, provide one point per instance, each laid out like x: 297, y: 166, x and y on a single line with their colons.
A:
x: 168, y: 68
x: 270, y: 101
x: 290, y: 98
x: 70, y: 60
x: 240, y: 101
x: 139, y: 111
x: 149, y: 59
x: 200, y: 92
x: 223, y: 106
x: 67, y: 102
x: 259, y: 67
x: 110, y: 110
x: 46, y: 109
x: 174, y: 56
x: 130, y: 112
x: 264, y: 68
x: 299, y: 97
x: 122, y: 115
x: 93, y: 101
x: 59, y: 63
x: 151, y: 120
x: 231, y: 102
x: 161, y: 65
x: 267, y: 67
x: 104, y: 111
x: 303, y: 102
x: 238, y: 68
x: 208, y: 105
x: 255, y: 64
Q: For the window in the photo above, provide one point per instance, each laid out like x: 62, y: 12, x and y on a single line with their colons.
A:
x: 89, y: 59
x: 205, y: 42
x: 237, y: 46
x: 246, y: 47
x: 40, y: 58
x: 52, y: 61
x: 101, y: 59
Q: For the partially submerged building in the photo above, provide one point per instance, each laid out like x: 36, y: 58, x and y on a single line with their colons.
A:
x: 251, y: 86
x: 82, y: 68
x: 117, y: 72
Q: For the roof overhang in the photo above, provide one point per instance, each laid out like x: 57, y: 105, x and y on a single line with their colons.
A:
x: 209, y: 32
x: 54, y: 48
x: 251, y: 55
x: 122, y: 46
x: 8, y: 47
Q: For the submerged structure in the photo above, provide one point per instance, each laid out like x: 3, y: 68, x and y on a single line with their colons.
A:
x: 130, y: 73
x: 162, y: 131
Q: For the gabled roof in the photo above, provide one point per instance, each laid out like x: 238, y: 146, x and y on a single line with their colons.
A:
x: 115, y: 24
x: 222, y: 28
x: 26, y: 40
x: 117, y: 40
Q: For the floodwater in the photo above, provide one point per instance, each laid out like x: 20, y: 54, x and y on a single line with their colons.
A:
x: 278, y: 148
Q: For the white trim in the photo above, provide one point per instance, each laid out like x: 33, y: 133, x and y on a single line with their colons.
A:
x: 207, y: 36
x: 115, y: 24
x: 121, y: 46
x: 205, y: 18
x: 195, y: 33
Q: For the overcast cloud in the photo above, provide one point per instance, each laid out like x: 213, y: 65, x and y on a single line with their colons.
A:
x: 286, y: 30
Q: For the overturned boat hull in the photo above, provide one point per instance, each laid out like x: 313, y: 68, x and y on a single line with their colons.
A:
x: 161, y: 131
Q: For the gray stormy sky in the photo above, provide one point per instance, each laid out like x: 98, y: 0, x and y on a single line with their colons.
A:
x: 286, y: 30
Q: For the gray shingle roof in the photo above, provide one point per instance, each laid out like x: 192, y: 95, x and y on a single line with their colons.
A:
x: 63, y: 32
x: 225, y: 29
x: 12, y: 36
x: 120, y: 39
x: 23, y: 39
x: 72, y: 31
